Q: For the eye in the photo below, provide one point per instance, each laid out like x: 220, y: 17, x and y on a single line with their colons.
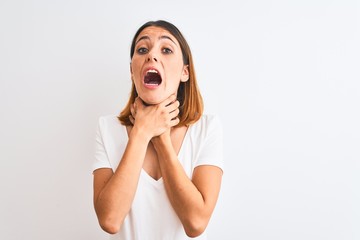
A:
x: 167, y: 50
x: 142, y: 50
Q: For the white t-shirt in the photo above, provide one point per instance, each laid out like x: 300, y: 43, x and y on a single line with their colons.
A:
x: 151, y: 216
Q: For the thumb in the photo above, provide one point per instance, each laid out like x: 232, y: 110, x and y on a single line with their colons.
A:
x: 138, y: 103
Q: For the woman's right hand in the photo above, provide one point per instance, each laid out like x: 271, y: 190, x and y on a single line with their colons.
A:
x: 154, y: 120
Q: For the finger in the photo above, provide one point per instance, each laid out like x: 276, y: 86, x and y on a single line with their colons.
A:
x: 132, y: 120
x: 173, y: 106
x: 138, y: 103
x: 132, y: 110
x: 174, y: 113
x: 169, y: 100
x: 174, y: 122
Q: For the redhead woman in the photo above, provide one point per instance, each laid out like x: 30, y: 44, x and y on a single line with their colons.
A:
x: 158, y: 165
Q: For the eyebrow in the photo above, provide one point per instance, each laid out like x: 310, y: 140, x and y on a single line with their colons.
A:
x: 161, y: 37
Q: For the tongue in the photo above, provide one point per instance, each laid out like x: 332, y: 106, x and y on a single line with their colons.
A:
x: 152, y: 78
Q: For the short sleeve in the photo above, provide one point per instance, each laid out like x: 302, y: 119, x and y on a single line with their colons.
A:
x: 101, y: 158
x: 211, y: 151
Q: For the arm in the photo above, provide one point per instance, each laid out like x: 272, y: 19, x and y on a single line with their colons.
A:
x: 114, y: 192
x: 193, y: 200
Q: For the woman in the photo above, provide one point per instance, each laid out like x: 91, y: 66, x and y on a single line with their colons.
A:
x: 158, y: 167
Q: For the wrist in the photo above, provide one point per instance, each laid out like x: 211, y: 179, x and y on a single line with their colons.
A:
x: 139, y: 135
x: 161, y: 142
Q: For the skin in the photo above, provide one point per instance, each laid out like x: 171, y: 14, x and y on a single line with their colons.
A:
x: 156, y: 48
x: 154, y: 144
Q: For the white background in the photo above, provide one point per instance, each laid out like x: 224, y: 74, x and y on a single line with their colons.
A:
x: 282, y: 75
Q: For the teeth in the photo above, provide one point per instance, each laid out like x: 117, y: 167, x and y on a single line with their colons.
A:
x: 152, y: 71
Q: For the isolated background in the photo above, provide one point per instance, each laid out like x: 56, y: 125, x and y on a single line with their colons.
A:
x: 282, y: 75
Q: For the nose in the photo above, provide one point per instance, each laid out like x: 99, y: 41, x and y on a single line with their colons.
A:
x: 151, y: 57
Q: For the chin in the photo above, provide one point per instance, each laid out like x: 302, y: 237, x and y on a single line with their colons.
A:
x: 151, y: 101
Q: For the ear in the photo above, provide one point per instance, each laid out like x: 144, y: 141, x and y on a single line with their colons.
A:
x: 185, y: 74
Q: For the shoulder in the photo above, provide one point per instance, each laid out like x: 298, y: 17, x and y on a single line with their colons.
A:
x: 109, y: 123
x: 207, y: 125
x: 109, y: 120
x: 208, y: 121
x: 207, y: 139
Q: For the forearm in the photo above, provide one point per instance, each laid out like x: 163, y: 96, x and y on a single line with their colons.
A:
x: 184, y: 196
x: 114, y: 200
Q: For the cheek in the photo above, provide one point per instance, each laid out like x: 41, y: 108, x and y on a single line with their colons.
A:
x: 135, y: 63
x: 176, y: 69
x: 135, y: 70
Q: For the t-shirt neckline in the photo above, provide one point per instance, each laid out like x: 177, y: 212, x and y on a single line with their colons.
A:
x: 160, y: 181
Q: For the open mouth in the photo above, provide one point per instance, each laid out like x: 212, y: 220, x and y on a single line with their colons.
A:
x: 152, y: 78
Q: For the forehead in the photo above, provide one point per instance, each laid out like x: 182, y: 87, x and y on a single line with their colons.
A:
x: 156, y: 33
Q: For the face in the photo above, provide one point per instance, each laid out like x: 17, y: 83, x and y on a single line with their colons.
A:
x: 157, y: 66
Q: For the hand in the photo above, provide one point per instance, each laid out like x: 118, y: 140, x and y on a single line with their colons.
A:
x: 156, y: 119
